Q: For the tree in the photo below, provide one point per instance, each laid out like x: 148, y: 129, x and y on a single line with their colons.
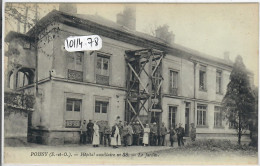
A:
x: 239, y: 101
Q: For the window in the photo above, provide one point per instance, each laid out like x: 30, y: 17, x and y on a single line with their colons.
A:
x: 202, y: 78
x: 72, y: 113
x: 173, y: 82
x: 156, y: 79
x: 232, y: 125
x: 218, y: 81
x: 102, y: 70
x: 101, y: 107
x: 201, y: 115
x: 73, y: 105
x: 75, y: 66
x: 172, y: 116
x: 217, y: 117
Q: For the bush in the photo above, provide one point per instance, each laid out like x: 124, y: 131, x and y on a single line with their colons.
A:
x: 218, y: 145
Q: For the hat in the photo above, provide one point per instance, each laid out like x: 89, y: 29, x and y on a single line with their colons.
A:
x: 154, y: 122
x: 137, y: 122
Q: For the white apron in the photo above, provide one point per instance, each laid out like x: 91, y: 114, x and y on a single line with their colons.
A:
x: 95, y: 135
x: 116, y: 140
x: 146, y: 135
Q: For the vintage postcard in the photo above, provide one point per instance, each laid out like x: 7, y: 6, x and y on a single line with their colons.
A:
x: 130, y: 83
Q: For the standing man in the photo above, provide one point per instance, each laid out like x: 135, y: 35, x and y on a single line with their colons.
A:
x: 115, y: 136
x: 83, y: 132
x: 163, y: 132
x: 101, y: 133
x: 107, y: 133
x: 138, y: 131
x: 180, y: 134
x: 193, y: 132
x: 134, y: 133
x: 90, y: 131
x: 172, y: 133
x: 154, y: 132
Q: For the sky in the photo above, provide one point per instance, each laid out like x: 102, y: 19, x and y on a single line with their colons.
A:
x: 208, y: 28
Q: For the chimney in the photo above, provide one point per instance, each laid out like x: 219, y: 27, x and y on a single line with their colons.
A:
x: 162, y: 32
x: 226, y: 56
x: 68, y: 8
x: 127, y: 18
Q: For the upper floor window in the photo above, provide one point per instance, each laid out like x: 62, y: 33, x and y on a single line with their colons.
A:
x: 202, y: 78
x: 75, y: 66
x: 156, y: 79
x: 218, y: 81
x: 217, y: 117
x: 102, y: 69
x: 201, y: 115
x: 173, y: 82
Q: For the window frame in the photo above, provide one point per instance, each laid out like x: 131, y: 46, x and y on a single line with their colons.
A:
x: 97, y: 74
x: 74, y: 67
x: 203, y: 68
x: 203, y: 123
x: 219, y: 79
x: 171, y: 80
x: 73, y: 103
x: 172, y: 112
x: 101, y: 107
x: 217, y: 110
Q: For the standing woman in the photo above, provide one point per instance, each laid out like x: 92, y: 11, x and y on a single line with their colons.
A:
x: 146, y: 135
x: 95, y: 135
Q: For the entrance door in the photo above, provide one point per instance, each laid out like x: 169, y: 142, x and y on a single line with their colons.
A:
x: 172, y: 116
x: 187, y: 119
x: 155, y: 117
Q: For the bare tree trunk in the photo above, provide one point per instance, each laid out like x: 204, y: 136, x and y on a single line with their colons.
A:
x: 239, y: 128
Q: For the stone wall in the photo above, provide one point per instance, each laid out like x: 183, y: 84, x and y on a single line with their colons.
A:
x: 15, y: 122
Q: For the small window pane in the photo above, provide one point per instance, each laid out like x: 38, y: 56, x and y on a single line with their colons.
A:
x: 105, y: 60
x: 97, y: 109
x: 79, y: 58
x: 99, y: 62
x: 69, y: 105
x: 77, y: 105
x: 70, y: 58
x: 104, y: 108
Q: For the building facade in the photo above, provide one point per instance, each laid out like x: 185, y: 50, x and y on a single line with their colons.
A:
x: 77, y: 86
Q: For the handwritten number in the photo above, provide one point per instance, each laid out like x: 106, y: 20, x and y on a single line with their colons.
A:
x: 96, y: 41
x: 90, y: 42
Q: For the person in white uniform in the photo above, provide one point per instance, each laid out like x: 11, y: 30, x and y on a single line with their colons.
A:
x: 146, y: 135
x: 115, y: 136
x: 95, y: 135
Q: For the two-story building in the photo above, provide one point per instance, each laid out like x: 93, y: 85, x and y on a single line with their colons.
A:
x: 77, y: 86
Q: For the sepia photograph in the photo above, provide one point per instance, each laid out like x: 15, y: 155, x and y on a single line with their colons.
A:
x: 130, y: 83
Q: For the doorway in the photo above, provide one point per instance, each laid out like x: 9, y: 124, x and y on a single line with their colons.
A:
x: 187, y: 119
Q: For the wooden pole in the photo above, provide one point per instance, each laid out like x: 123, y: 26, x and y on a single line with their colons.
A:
x: 25, y: 19
x: 150, y: 70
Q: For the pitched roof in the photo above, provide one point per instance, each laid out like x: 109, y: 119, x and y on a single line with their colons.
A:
x: 119, y: 32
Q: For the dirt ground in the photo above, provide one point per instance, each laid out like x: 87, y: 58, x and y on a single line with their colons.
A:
x: 19, y: 151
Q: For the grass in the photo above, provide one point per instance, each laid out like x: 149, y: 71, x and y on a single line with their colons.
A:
x: 212, y: 146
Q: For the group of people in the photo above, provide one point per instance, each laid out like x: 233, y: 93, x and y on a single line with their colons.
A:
x: 127, y: 134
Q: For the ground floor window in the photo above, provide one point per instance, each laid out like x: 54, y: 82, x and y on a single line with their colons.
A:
x: 172, y: 116
x: 217, y: 117
x: 201, y: 115
x: 73, y: 113
x: 101, y: 109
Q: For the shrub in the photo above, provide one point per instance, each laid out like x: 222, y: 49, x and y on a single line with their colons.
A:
x: 218, y: 145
